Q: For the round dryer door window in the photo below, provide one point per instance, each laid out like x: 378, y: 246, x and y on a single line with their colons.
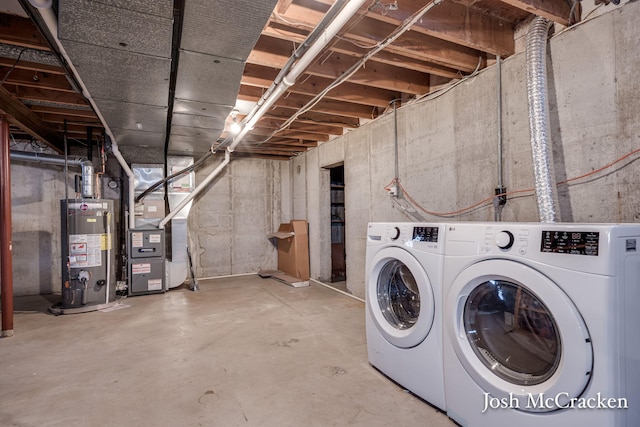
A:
x: 512, y: 332
x: 517, y: 334
x: 400, y: 298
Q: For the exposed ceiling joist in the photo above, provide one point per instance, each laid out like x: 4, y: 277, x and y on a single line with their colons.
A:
x: 24, y: 118
x: 556, y: 11
x: 122, y: 69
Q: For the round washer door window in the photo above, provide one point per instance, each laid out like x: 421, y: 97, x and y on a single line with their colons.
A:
x: 517, y: 334
x: 400, y: 298
x: 398, y: 295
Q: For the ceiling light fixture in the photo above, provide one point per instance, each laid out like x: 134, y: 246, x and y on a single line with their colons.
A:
x: 235, y: 127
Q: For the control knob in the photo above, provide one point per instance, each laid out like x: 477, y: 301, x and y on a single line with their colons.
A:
x: 504, y: 239
x: 395, y: 233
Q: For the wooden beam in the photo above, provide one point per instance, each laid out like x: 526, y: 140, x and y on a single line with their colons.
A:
x: 19, y: 31
x: 315, y: 118
x: 288, y: 142
x: 59, y: 118
x: 259, y: 76
x: 272, y: 52
x: 272, y: 123
x: 294, y: 101
x: 51, y: 96
x: 33, y: 66
x: 453, y: 22
x: 241, y: 155
x: 386, y: 57
x: 41, y: 80
x: 370, y: 31
x: 72, y: 112
x: 24, y: 118
x: 289, y: 133
x: 554, y: 10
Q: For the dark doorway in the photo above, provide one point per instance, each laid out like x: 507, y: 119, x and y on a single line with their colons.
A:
x: 338, y: 254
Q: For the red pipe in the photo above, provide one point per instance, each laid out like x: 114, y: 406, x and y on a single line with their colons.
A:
x: 6, y: 268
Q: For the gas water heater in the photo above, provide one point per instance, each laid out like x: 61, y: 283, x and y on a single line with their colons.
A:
x: 88, y: 267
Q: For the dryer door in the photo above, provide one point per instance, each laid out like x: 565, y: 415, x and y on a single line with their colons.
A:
x: 400, y: 298
x: 518, y: 335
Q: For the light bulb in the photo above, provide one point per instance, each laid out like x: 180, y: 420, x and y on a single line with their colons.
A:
x: 235, y: 127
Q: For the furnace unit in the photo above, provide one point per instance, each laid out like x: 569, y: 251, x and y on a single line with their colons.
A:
x: 146, y: 261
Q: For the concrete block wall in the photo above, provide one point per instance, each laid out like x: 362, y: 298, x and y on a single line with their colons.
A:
x: 448, y: 145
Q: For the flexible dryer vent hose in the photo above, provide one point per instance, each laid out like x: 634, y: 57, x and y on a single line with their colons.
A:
x: 539, y: 118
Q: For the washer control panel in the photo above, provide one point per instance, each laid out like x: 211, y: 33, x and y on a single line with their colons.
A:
x: 425, y: 234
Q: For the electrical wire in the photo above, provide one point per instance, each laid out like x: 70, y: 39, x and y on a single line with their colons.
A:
x: 6, y: 76
x: 489, y: 200
x: 406, y: 25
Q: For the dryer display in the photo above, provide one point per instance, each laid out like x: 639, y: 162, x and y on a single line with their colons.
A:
x: 574, y: 242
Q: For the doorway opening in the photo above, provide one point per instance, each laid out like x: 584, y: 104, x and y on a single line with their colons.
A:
x: 338, y: 254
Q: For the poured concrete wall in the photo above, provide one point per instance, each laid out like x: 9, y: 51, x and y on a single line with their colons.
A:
x: 36, y: 191
x: 231, y: 219
x: 447, y: 160
x: 447, y: 146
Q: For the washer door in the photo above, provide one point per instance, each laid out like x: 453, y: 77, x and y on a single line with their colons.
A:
x: 517, y: 334
x: 400, y: 298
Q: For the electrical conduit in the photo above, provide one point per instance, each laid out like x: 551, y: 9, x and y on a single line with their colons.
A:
x: 539, y: 119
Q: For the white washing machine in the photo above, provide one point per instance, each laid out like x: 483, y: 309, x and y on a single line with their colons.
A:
x: 404, y: 305
x: 542, y: 324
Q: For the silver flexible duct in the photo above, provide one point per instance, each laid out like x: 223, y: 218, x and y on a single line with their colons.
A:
x: 539, y: 118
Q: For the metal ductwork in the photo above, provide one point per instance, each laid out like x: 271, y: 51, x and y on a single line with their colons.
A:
x: 51, y: 159
x: 88, y: 177
x: 536, y: 56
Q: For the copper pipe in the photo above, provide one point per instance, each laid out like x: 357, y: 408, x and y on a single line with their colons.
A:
x: 6, y: 268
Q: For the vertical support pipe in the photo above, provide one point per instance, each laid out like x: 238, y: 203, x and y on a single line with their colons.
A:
x: 6, y: 249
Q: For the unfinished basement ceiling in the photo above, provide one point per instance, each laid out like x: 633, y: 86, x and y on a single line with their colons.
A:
x: 167, y: 74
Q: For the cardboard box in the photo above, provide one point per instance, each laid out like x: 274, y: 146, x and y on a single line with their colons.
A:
x: 293, y: 248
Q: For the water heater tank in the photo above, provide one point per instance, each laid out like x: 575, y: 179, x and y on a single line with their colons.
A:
x: 88, y: 256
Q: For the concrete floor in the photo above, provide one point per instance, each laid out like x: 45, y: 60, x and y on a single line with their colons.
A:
x: 242, y: 351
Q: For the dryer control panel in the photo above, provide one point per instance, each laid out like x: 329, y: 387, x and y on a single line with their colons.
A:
x: 506, y: 240
x: 570, y: 242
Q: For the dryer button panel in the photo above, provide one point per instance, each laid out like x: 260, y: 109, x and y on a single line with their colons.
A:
x: 570, y: 242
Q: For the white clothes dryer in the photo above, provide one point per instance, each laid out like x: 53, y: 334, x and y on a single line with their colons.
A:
x: 404, y: 305
x: 542, y: 324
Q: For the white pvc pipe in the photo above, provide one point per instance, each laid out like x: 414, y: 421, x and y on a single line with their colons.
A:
x: 129, y: 172
x: 349, y: 10
x: 198, y: 189
x: 51, y: 22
